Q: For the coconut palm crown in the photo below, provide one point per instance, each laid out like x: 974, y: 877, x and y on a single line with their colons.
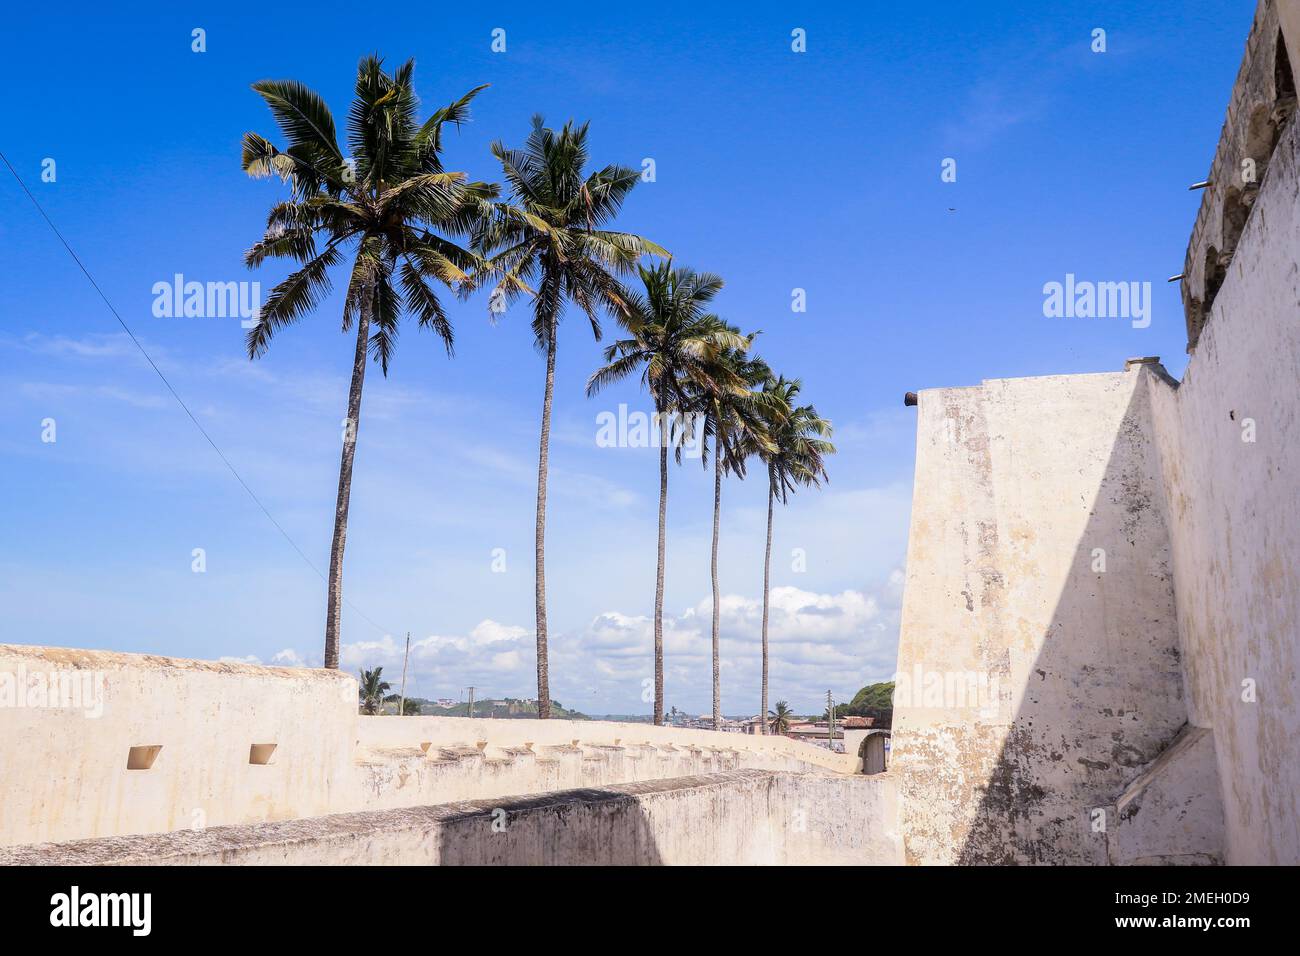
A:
x: 797, y: 437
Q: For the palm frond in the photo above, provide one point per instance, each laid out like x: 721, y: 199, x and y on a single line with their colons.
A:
x: 302, y: 115
x: 291, y: 299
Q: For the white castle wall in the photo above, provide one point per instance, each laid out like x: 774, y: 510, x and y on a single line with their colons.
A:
x: 1023, y: 488
x: 64, y: 771
x: 1234, y: 514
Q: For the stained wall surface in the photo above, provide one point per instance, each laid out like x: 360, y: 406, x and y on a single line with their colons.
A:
x: 1229, y: 444
x: 1039, y: 658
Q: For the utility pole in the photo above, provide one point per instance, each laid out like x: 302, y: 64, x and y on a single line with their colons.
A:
x: 471, y: 701
x: 830, y: 725
x: 401, y: 696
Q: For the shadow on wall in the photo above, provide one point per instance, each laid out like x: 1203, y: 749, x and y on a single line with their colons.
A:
x: 1102, y: 695
x: 584, y: 827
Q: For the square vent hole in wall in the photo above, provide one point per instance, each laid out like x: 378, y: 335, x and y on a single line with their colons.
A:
x: 260, y: 754
x: 142, y: 758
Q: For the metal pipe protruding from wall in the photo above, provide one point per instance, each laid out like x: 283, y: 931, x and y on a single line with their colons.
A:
x: 909, y: 399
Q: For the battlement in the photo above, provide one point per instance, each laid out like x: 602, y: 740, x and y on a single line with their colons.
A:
x: 1263, y: 101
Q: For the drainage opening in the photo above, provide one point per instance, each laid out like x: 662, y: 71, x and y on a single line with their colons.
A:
x: 142, y: 758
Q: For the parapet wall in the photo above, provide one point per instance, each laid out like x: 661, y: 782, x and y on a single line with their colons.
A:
x: 97, y: 744
x: 746, y: 817
x: 63, y: 761
x: 416, y: 760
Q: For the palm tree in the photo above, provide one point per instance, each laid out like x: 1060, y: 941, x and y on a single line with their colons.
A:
x: 738, y: 428
x: 388, y: 208
x: 779, y: 721
x: 677, y: 346
x: 373, y: 691
x: 796, y: 457
x: 549, y: 243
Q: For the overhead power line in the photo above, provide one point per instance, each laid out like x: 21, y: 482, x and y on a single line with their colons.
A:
x: 180, y: 401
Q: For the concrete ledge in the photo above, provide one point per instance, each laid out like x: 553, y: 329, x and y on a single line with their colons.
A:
x: 738, y: 817
x: 1172, y: 812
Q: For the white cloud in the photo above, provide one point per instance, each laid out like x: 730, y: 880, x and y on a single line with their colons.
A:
x: 817, y: 641
x: 289, y: 658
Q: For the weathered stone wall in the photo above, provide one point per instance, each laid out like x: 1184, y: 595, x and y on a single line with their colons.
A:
x: 747, y: 817
x: 1038, y: 574
x: 1234, y: 514
x: 1173, y: 811
x: 64, y: 770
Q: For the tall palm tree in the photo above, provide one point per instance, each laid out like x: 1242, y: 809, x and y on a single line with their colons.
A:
x: 373, y: 691
x: 779, y: 721
x: 796, y: 458
x: 389, y: 208
x: 677, y: 346
x: 549, y: 242
x: 737, y: 427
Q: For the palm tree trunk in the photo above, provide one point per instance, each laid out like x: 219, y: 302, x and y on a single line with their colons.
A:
x: 717, y: 512
x: 334, y: 609
x: 543, y: 458
x: 767, y: 572
x: 659, y: 573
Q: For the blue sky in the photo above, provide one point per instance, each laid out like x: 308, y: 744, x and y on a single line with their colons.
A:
x: 779, y: 170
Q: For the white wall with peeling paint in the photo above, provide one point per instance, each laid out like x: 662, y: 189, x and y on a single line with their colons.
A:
x: 1038, y: 560
x: 1234, y: 509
